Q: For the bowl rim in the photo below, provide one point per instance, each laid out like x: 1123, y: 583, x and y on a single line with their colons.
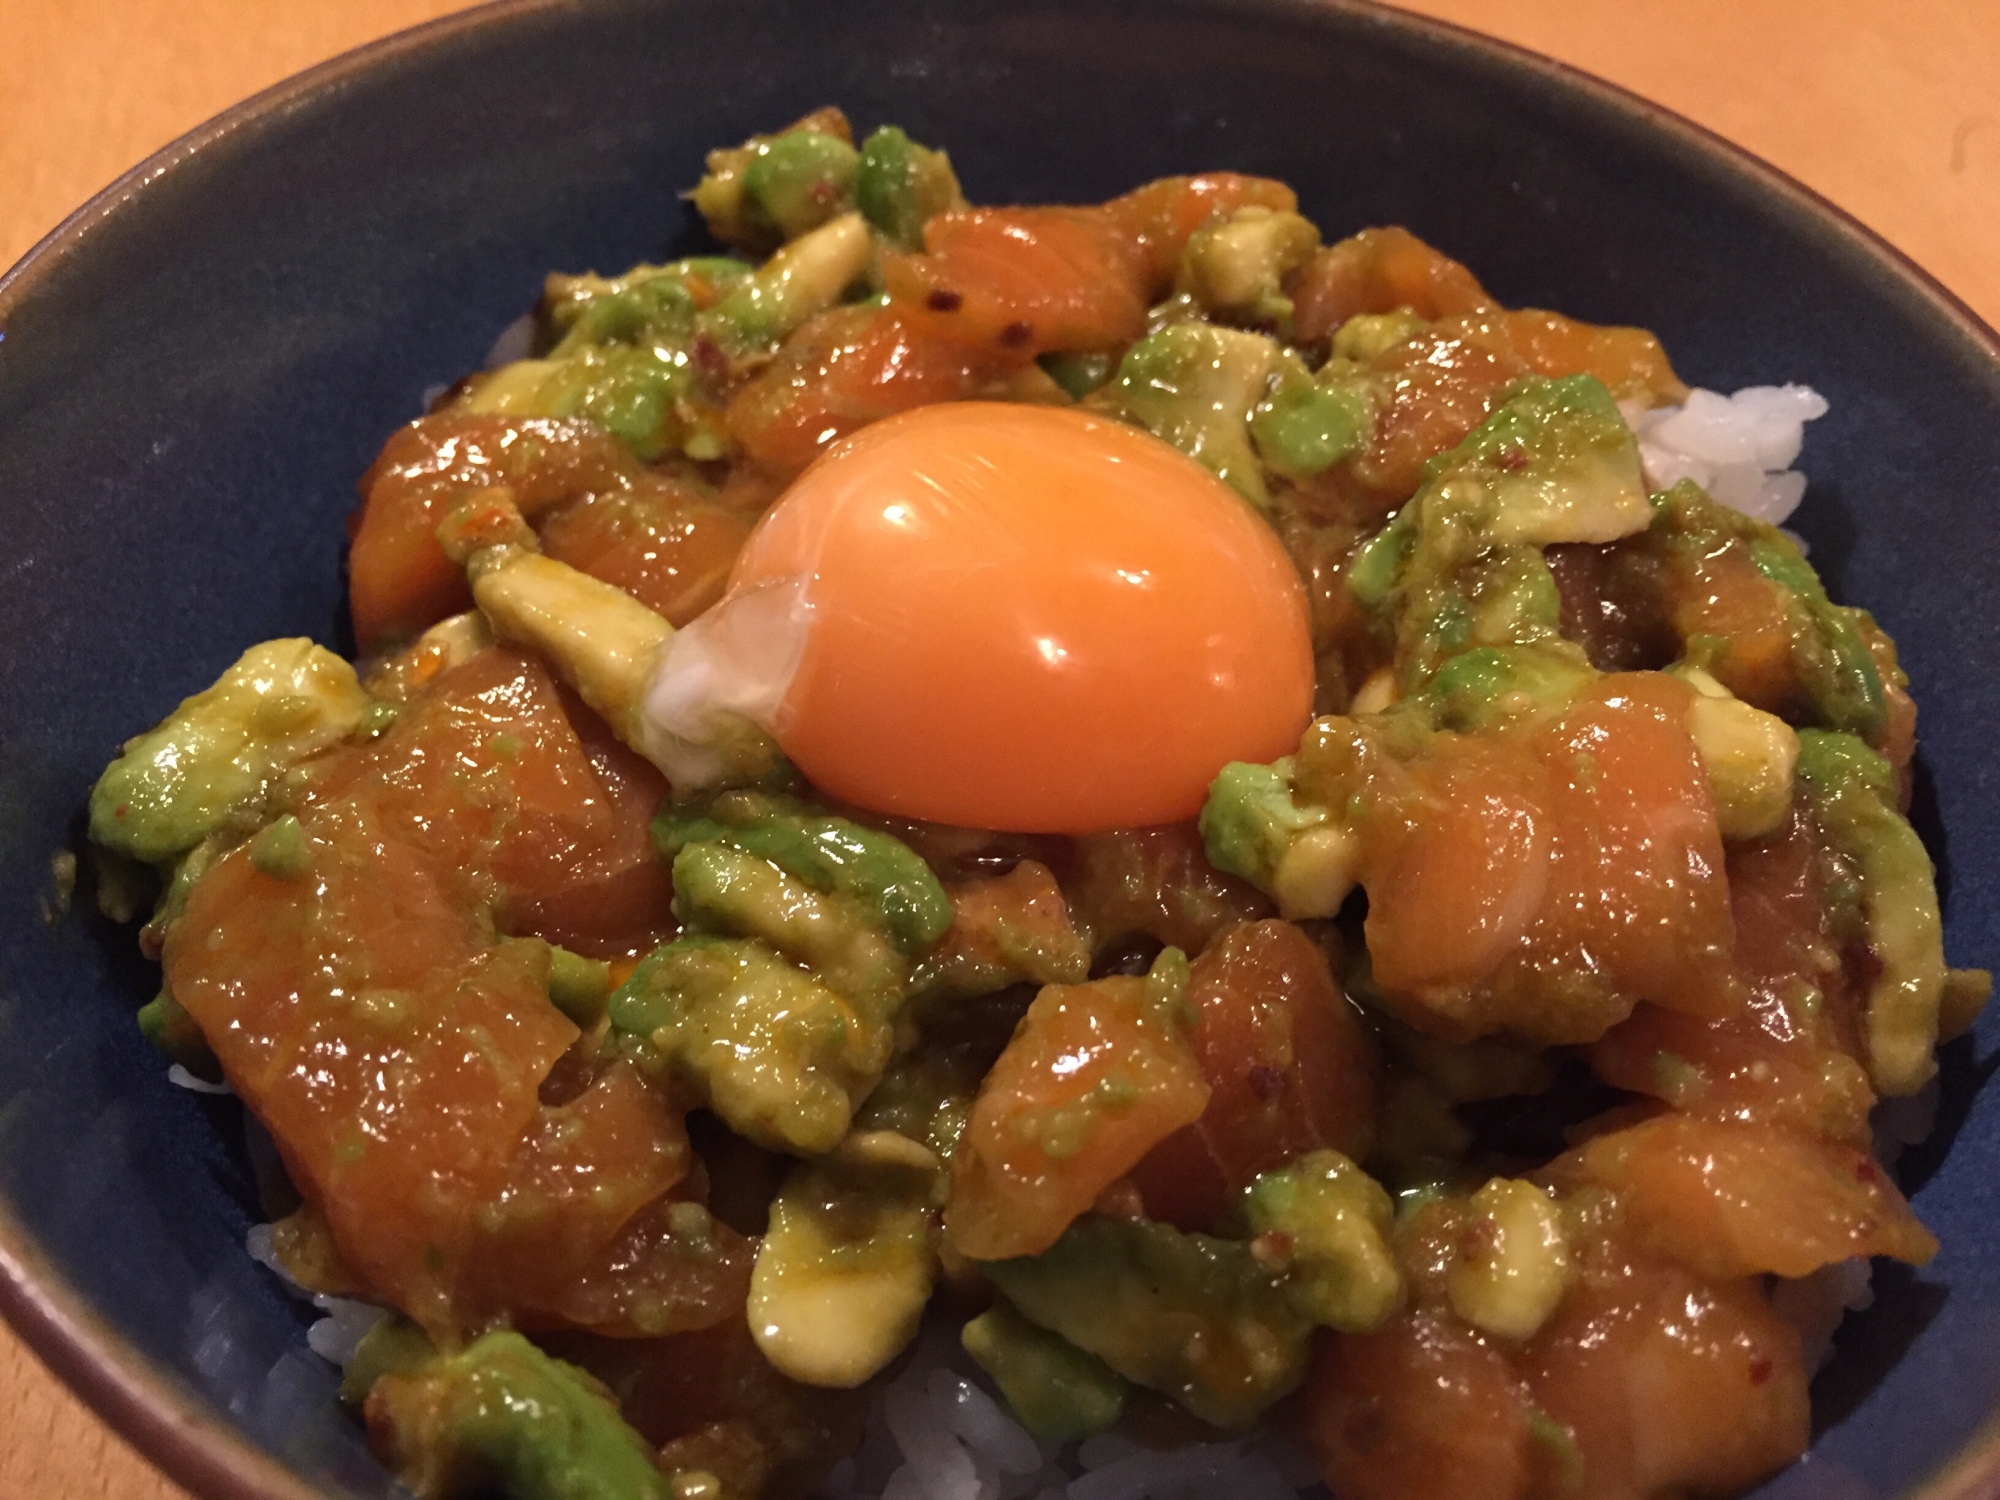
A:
x: 182, y: 1434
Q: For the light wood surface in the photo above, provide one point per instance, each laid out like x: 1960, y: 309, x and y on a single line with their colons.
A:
x: 1891, y: 108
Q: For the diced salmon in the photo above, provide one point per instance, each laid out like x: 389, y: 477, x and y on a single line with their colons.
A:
x: 1011, y: 284
x: 1422, y: 1409
x: 399, y: 579
x: 1668, y: 1385
x: 1379, y: 271
x: 1095, y: 1076
x: 1288, y: 1064
x: 1730, y: 1199
x: 1544, y: 883
x: 839, y: 372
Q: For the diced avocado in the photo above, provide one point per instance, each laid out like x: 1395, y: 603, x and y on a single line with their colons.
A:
x: 829, y: 854
x: 1299, y: 852
x: 280, y: 849
x: 743, y: 193
x: 1333, y: 1221
x: 1077, y: 374
x: 846, y: 1266
x: 165, y: 1023
x: 501, y: 1416
x: 1513, y: 1263
x: 1460, y: 566
x: 630, y: 391
x: 213, y: 764
x: 1555, y: 462
x: 1236, y: 267
x: 579, y: 987
x: 719, y: 888
x: 1749, y: 756
x: 1058, y: 1392
x: 1833, y: 661
x: 1377, y: 567
x: 1852, y: 792
x: 800, y: 180
x: 1306, y: 426
x: 1196, y: 386
x: 1366, y: 335
x: 1192, y: 1317
x: 806, y: 277
x: 648, y: 305
x: 901, y: 186
x: 1492, y: 685
x: 1251, y: 820
x: 779, y: 1056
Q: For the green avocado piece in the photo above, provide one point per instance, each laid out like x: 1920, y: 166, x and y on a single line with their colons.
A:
x: 1197, y: 386
x: 1192, y: 1317
x: 165, y: 1023
x: 900, y: 186
x: 633, y: 392
x: 720, y: 888
x: 1058, y: 1392
x: 1251, y: 821
x: 579, y: 987
x: 782, y: 1058
x: 800, y: 179
x: 1852, y: 792
x: 1554, y: 462
x: 1490, y: 685
x: 1335, y: 1221
x: 213, y: 765
x: 830, y: 854
x: 1833, y: 661
x: 501, y: 1416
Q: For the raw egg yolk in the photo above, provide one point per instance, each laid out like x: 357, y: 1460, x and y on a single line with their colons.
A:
x: 1029, y: 619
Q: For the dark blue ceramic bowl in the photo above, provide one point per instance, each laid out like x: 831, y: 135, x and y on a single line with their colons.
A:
x: 195, y: 368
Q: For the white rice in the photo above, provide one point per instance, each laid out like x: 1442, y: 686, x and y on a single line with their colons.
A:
x: 180, y: 1077
x: 1739, y: 448
x: 336, y: 1336
x: 940, y: 1432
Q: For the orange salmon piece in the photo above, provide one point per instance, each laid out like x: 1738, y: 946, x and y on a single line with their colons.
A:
x: 1289, y: 1069
x: 1015, y: 283
x: 1096, y: 1075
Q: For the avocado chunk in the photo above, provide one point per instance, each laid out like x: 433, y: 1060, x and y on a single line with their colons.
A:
x: 214, y: 764
x: 1236, y: 267
x: 501, y: 1416
x: 776, y: 187
x: 165, y: 1022
x: 1196, y: 386
x: 900, y: 186
x: 1852, y: 792
x: 1253, y: 825
x: 1192, y: 1317
x: 806, y: 277
x: 783, y: 1059
x: 1555, y: 462
x: 1833, y: 660
x: 578, y: 987
x: 1332, y: 1221
x: 1058, y: 1392
x: 719, y: 888
x: 830, y: 854
x: 845, y: 1268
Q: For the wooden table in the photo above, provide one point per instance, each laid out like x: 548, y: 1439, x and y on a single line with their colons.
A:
x: 1892, y: 110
